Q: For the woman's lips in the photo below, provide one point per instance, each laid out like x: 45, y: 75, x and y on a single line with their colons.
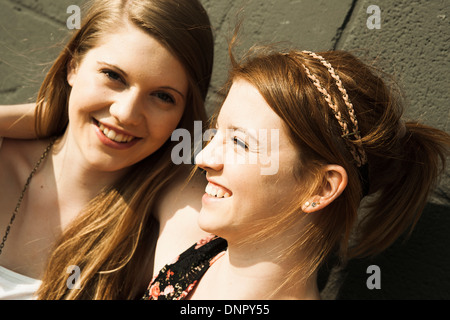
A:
x: 215, y: 190
x: 114, y: 138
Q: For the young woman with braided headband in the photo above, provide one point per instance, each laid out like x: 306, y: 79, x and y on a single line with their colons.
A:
x: 135, y: 71
x: 341, y: 138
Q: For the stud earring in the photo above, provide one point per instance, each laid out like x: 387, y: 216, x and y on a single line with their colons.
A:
x: 313, y: 204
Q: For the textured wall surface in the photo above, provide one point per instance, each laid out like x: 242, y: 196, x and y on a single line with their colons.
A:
x: 412, y: 42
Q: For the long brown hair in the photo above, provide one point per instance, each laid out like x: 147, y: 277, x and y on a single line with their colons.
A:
x: 112, y: 240
x: 404, y: 158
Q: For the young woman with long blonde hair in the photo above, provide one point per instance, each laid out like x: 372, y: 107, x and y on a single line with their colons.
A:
x: 82, y: 196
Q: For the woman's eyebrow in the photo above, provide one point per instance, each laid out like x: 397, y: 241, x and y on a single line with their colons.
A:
x: 173, y: 89
x: 112, y: 66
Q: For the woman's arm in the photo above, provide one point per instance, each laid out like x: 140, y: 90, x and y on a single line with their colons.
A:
x: 17, y: 121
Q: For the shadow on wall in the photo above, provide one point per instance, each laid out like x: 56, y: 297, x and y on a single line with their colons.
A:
x: 417, y: 268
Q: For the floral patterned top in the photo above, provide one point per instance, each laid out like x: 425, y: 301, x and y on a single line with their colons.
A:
x: 176, y: 280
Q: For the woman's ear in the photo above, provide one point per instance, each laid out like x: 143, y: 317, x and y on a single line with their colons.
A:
x: 335, y: 181
x: 72, y: 69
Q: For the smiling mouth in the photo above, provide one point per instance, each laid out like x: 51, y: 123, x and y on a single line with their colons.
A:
x: 113, y: 135
x: 216, y: 191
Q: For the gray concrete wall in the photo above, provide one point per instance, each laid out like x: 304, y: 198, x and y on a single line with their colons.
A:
x: 412, y: 43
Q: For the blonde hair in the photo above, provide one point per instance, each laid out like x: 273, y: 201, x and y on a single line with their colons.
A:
x: 404, y: 159
x: 112, y: 241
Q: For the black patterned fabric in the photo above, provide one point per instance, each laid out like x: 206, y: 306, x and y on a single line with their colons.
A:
x: 176, y: 280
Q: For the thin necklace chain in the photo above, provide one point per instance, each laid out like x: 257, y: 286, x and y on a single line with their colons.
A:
x: 25, y: 187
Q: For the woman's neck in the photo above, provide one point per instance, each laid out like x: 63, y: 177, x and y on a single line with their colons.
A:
x: 254, y: 272
x: 75, y: 181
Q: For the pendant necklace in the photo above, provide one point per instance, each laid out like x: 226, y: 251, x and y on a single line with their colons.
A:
x: 25, y: 187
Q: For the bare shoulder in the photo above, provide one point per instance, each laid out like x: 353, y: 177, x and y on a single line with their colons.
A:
x: 17, y: 159
x: 23, y: 148
x: 177, y: 213
x: 20, y: 156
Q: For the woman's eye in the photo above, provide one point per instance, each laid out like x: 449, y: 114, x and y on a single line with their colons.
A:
x: 112, y: 75
x: 240, y: 143
x: 167, y: 98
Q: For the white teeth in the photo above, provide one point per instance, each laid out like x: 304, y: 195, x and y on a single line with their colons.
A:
x: 220, y: 193
x: 117, y: 137
x: 111, y: 134
x: 215, y: 191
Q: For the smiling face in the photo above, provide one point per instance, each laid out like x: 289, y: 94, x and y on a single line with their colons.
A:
x: 238, y: 194
x: 128, y: 95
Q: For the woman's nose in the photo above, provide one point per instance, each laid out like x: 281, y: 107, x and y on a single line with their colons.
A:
x: 211, y: 157
x: 127, y: 108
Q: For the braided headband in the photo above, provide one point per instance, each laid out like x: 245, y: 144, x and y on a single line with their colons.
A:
x: 356, y: 148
